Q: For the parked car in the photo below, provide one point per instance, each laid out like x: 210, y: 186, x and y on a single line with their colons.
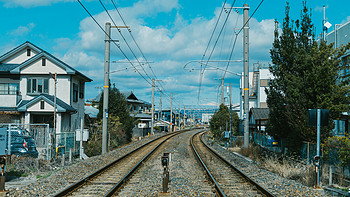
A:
x: 24, y: 146
x: 21, y: 143
x: 271, y: 141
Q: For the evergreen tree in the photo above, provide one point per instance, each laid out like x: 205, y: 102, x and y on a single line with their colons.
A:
x: 117, y: 106
x: 307, y: 76
x: 219, y: 120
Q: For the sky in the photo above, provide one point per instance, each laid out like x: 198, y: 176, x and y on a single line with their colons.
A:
x: 169, y: 33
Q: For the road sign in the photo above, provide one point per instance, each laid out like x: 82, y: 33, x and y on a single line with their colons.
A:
x: 313, y: 117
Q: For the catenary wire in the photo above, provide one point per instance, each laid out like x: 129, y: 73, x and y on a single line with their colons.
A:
x: 234, y: 44
x: 119, y: 30
x: 112, y: 40
x: 137, y: 45
x: 206, y: 49
x: 211, y: 53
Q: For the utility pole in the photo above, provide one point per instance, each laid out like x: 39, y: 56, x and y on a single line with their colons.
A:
x: 324, y: 28
x: 171, y: 112
x: 184, y: 115
x: 222, y: 91
x: 160, y: 105
x: 106, y: 87
x: 152, y: 127
x: 246, y: 73
x: 230, y: 129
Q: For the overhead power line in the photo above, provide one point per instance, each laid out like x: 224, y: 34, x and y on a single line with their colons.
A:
x: 240, y: 30
x: 113, y: 41
x: 137, y: 45
x: 211, y: 53
x: 121, y: 34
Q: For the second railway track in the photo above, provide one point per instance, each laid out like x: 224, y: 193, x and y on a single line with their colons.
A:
x: 228, y: 180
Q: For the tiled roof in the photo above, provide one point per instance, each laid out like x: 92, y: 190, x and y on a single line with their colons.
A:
x: 61, y: 105
x: 7, y: 67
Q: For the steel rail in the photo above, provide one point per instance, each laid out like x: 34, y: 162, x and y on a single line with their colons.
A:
x: 81, y: 182
x: 217, y: 187
x: 260, y: 188
x: 117, y: 186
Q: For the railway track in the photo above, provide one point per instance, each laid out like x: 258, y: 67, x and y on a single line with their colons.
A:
x: 227, y: 179
x: 107, y: 180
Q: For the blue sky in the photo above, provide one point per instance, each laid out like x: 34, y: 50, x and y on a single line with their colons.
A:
x: 170, y: 33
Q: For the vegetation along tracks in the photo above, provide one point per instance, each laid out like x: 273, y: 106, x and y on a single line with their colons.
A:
x: 107, y: 180
x: 228, y: 180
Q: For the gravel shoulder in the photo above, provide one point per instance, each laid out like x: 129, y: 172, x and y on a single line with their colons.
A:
x: 54, y: 181
x: 276, y: 184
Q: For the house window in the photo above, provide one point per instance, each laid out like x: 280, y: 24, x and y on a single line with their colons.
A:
x: 37, y: 86
x: 43, y: 61
x: 75, y: 92
x: 81, y: 89
x: 28, y: 52
x: 42, y: 104
x: 9, y: 88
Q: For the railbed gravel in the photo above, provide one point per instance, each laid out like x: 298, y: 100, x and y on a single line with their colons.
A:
x: 64, y: 176
x: 187, y: 179
x: 276, y: 184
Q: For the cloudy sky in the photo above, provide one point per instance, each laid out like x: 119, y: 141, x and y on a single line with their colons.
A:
x: 170, y: 34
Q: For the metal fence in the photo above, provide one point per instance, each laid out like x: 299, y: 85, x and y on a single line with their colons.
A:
x: 28, y: 139
x: 329, y: 155
x: 65, y: 143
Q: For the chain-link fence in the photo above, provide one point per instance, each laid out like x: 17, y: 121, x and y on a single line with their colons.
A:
x: 38, y: 140
x: 28, y: 140
x: 66, y: 142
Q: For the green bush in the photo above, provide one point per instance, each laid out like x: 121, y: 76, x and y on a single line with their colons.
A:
x: 342, y: 146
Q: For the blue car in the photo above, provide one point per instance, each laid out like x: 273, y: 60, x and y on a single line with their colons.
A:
x: 271, y: 141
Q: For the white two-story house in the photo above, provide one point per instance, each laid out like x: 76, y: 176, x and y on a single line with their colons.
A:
x: 27, y: 89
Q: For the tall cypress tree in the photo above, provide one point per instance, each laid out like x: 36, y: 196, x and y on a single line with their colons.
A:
x: 306, y: 77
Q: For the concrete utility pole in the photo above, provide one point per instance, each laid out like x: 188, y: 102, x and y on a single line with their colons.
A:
x: 160, y: 105
x: 106, y: 87
x: 184, y: 115
x: 246, y: 73
x: 323, y: 23
x: 222, y: 91
x: 230, y: 129
x: 152, y: 126
x: 171, y: 112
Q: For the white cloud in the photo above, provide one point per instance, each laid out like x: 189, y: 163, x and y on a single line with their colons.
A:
x: 31, y: 3
x: 346, y: 20
x: 23, y: 30
x: 169, y: 47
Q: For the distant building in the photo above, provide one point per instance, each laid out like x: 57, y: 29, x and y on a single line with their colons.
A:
x: 341, y: 36
x: 138, y: 109
x: 206, y: 118
x: 259, y: 80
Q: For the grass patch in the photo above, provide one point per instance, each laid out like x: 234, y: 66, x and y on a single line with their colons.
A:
x: 39, y: 176
x: 17, y: 173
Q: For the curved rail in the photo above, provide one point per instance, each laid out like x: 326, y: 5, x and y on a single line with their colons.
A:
x: 216, y: 184
x: 260, y: 187
x: 263, y: 190
x: 89, y: 177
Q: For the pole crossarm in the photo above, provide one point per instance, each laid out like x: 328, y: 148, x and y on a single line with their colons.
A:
x: 216, y: 68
